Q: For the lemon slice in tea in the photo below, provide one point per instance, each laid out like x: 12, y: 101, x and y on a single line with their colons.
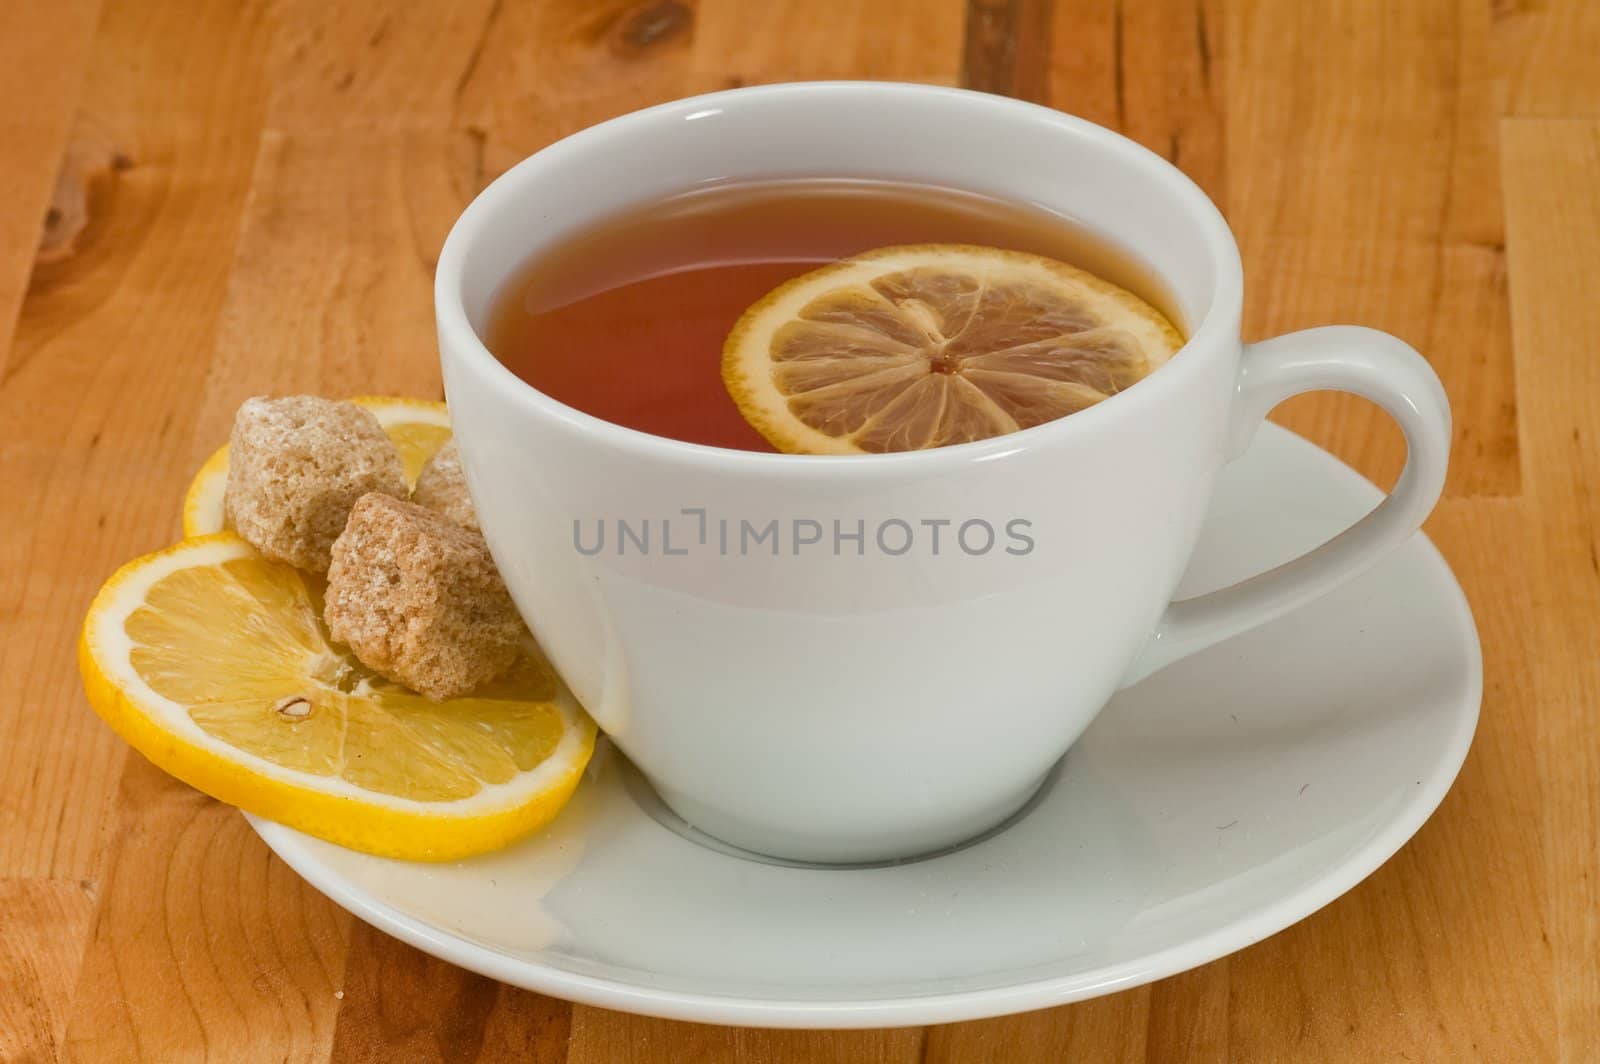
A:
x: 928, y: 345
x: 213, y: 662
x: 418, y: 427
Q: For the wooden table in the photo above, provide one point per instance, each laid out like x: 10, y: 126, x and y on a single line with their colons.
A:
x: 202, y: 199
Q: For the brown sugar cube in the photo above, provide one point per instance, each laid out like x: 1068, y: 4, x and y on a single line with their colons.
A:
x: 295, y: 468
x: 418, y: 599
x: 442, y: 488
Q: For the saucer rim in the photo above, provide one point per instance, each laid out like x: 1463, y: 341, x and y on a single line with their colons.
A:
x: 947, y: 1006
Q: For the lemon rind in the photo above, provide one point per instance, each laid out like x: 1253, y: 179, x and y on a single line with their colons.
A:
x: 328, y: 808
x: 746, y: 362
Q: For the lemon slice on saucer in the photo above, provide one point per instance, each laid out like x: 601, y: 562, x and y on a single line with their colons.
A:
x: 418, y: 427
x: 212, y: 662
x: 928, y: 345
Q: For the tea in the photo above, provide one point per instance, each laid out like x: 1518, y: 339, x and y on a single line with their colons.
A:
x: 626, y: 320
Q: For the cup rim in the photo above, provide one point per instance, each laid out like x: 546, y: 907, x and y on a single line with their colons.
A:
x: 456, y: 333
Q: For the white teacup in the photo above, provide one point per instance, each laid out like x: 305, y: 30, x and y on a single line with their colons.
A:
x: 821, y: 696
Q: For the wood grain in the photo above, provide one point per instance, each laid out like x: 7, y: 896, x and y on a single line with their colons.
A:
x: 1151, y: 70
x: 1552, y: 167
x: 45, y: 66
x: 1006, y: 49
x: 331, y: 290
x: 400, y: 1004
x: 542, y: 71
x: 1112, y: 1029
x: 206, y: 946
x: 1545, y: 54
x: 1190, y: 1014
x: 1349, y: 207
x: 613, y: 1038
x: 46, y: 922
x: 738, y: 43
x: 111, y: 346
x: 370, y: 67
x: 203, y: 201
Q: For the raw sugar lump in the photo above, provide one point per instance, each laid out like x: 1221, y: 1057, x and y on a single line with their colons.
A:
x: 296, y: 466
x: 417, y: 599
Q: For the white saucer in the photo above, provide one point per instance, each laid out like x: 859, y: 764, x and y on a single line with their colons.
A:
x: 1212, y: 805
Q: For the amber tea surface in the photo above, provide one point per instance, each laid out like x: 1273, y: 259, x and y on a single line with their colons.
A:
x: 626, y: 320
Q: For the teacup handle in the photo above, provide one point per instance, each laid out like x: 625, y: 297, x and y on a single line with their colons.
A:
x: 1343, y: 358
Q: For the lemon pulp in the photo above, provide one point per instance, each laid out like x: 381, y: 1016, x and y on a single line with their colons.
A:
x: 213, y: 662
x: 928, y: 345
